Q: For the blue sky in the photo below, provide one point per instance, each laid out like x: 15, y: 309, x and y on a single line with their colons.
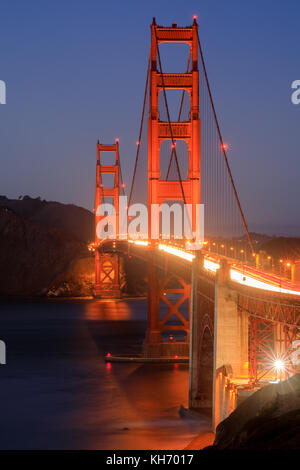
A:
x: 75, y: 72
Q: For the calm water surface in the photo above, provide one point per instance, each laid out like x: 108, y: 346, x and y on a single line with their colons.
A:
x: 56, y: 391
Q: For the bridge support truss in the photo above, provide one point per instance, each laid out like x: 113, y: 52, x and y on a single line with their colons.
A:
x: 167, y: 293
x: 274, y: 326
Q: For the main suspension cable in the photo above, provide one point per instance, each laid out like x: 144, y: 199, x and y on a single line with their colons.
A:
x: 140, y: 133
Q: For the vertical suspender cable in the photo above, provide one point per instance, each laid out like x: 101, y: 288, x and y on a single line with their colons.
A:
x: 223, y: 148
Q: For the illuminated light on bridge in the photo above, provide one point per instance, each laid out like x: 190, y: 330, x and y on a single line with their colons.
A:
x: 235, y: 275
x: 211, y: 266
x: 139, y: 242
x: 177, y: 252
x: 250, y: 281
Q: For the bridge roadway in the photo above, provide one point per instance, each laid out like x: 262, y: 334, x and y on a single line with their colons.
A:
x: 241, y: 274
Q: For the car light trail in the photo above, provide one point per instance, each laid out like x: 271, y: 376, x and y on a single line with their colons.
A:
x: 139, y: 242
x: 177, y: 252
x: 250, y: 281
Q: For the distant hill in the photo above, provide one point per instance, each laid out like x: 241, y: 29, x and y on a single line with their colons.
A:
x: 72, y: 219
x: 259, y: 238
x: 277, y: 247
x: 282, y: 247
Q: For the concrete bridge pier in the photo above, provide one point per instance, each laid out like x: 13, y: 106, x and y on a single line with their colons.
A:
x: 230, y: 327
x: 230, y: 347
x: 219, y: 347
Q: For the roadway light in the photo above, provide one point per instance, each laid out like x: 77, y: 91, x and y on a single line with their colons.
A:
x: 225, y: 146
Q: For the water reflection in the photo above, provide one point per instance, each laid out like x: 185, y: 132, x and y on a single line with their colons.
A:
x: 108, y: 310
x: 71, y: 398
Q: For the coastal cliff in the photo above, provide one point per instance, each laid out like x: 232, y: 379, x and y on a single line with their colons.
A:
x: 32, y: 255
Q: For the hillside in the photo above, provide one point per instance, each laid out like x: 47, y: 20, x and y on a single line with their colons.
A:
x: 32, y: 255
x: 282, y: 247
x: 43, y: 250
x: 267, y: 420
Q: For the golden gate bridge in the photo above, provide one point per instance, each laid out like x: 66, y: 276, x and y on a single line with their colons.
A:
x: 241, y: 329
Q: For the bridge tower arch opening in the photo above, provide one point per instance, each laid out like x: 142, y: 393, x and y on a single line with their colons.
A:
x: 206, y: 370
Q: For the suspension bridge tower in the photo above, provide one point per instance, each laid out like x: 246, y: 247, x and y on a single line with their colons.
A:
x: 162, y: 190
x: 107, y: 272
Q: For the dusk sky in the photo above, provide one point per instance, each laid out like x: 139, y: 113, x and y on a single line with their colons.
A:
x: 75, y: 72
